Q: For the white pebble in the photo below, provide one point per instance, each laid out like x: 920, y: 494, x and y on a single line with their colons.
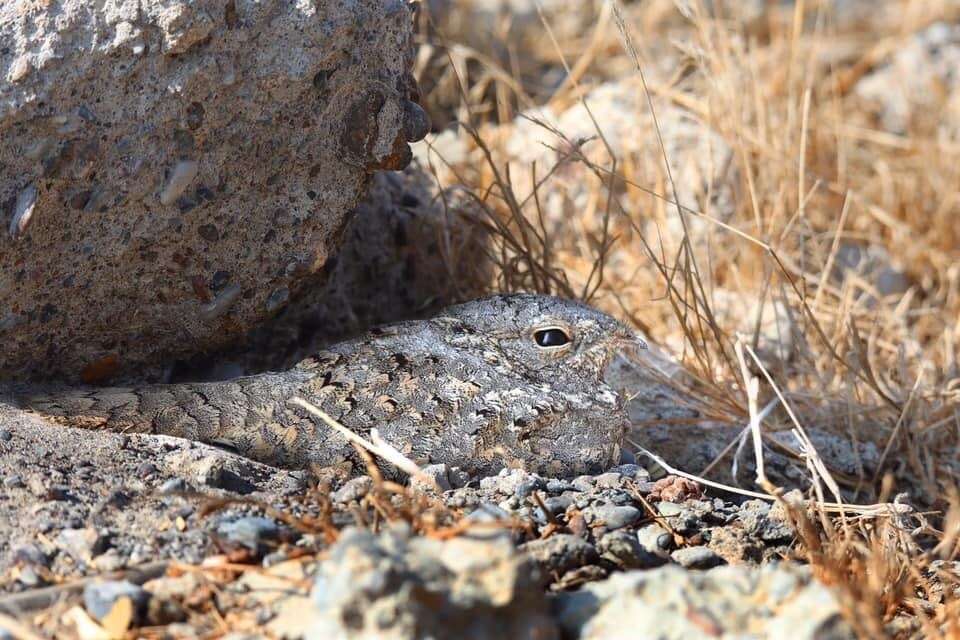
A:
x: 23, y: 211
x: 181, y: 177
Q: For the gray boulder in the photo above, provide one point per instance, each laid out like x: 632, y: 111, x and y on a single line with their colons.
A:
x: 171, y: 173
x: 395, y: 586
x: 775, y: 601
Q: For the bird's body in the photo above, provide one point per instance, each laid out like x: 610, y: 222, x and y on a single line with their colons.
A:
x: 506, y: 380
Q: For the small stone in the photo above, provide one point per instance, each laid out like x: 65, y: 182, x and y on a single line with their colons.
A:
x: 100, y: 597
x: 669, y: 509
x: 611, y: 516
x: 275, y: 558
x: 756, y: 520
x: 28, y: 577
x: 213, y: 473
x: 458, y: 477
x: 558, y: 504
x: 13, y: 482
x: 583, y: 483
x: 528, y: 485
x: 180, y: 178
x: 109, y: 561
x: 5, y: 435
x: 655, y: 539
x: 609, y: 480
x: 20, y: 69
x: 83, y: 544
x: 353, y: 490
x: 696, y: 558
x: 558, y: 486
x: 778, y: 510
x: 624, y: 550
x: 23, y: 211
x: 31, y: 554
x: 489, y: 514
x: 508, y: 482
x: 560, y: 553
x: 675, y: 489
x: 252, y: 533
x: 219, y: 280
x: 209, y: 232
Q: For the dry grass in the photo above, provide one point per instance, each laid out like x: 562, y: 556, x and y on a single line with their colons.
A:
x: 809, y: 174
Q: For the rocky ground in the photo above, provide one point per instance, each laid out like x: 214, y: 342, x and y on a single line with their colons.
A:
x: 249, y: 549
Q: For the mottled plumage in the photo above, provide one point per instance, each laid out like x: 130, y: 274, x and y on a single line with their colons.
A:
x: 502, y: 381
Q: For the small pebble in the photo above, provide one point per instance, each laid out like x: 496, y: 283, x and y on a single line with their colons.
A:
x: 609, y: 480
x: 250, y: 532
x: 31, y: 554
x: 558, y: 504
x: 28, y: 577
x: 612, y: 517
x: 624, y: 550
x: 109, y: 561
x: 100, y: 597
x: 528, y: 485
x: 697, y: 558
x: 669, y: 509
x: 558, y: 486
x: 23, y: 211
x: 489, y: 513
x: 583, y: 483
x: 655, y: 539
x: 560, y: 553
x: 180, y: 178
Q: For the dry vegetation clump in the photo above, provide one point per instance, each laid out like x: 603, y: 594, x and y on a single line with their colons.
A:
x: 740, y: 188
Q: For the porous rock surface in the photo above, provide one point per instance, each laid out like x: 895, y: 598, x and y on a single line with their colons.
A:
x: 409, y: 249
x: 172, y: 172
x: 773, y: 601
x: 397, y: 586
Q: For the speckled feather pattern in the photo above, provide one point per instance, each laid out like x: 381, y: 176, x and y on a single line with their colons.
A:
x: 470, y: 387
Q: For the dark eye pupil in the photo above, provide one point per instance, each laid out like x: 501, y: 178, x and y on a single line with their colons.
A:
x: 551, y: 338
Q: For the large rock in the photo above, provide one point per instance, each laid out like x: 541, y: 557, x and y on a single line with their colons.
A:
x: 394, y: 586
x: 172, y: 172
x: 775, y: 601
x: 409, y: 249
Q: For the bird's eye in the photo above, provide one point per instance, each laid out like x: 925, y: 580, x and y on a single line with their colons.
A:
x: 551, y: 337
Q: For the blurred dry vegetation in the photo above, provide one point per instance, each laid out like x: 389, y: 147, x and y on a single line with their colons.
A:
x: 721, y: 170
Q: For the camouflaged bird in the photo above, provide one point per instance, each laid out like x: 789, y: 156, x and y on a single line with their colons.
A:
x: 509, y: 380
